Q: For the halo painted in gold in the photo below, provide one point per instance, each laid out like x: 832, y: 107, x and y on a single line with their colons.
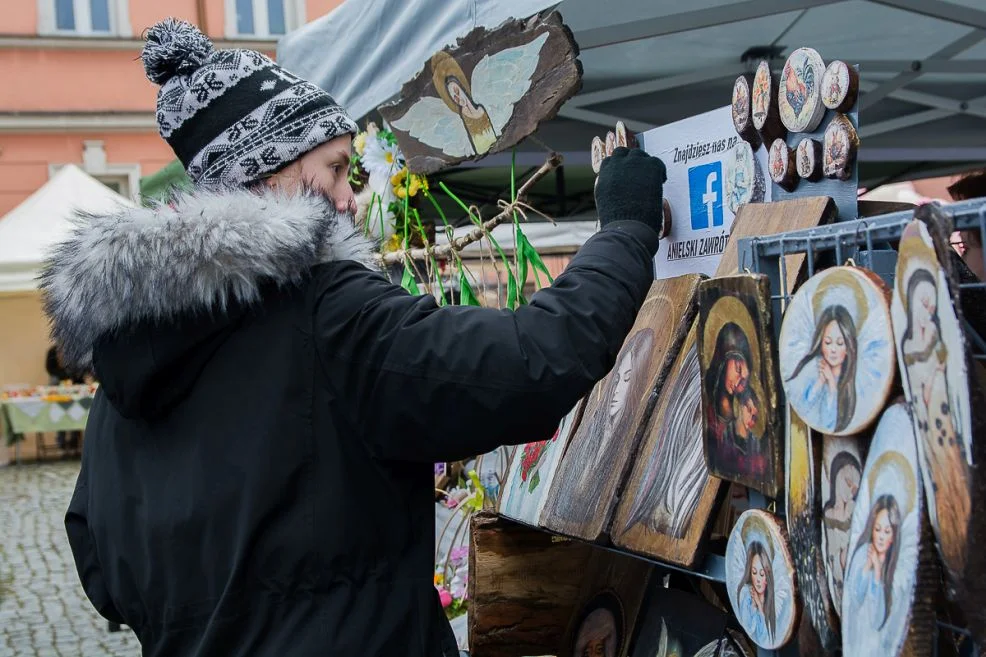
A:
x: 847, y: 277
x: 897, y: 461
x: 444, y: 65
x: 753, y: 524
x: 915, y: 244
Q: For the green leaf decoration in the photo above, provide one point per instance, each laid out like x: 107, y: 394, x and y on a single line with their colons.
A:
x: 409, y: 283
x: 530, y: 255
x: 467, y: 297
x: 535, y: 480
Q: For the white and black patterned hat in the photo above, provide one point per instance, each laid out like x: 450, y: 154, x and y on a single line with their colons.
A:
x: 232, y: 116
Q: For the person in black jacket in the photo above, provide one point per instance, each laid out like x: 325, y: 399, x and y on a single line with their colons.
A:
x: 258, y: 474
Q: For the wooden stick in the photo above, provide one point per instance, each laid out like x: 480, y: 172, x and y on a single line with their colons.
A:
x: 445, y: 250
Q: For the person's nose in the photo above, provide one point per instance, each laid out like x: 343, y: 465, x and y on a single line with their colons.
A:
x: 346, y: 202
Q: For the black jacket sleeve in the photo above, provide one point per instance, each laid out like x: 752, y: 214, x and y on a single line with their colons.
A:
x: 441, y: 384
x: 84, y: 552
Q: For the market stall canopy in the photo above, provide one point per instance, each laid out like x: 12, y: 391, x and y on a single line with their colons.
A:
x: 649, y: 63
x: 44, y: 219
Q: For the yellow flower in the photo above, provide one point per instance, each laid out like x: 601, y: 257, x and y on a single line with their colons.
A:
x: 404, y: 188
x: 359, y: 144
x: 439, y: 579
x: 393, y: 244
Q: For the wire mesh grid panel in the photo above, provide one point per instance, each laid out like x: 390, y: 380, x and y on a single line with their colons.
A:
x: 869, y: 243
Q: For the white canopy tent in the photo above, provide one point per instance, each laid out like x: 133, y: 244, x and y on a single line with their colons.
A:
x: 651, y: 62
x: 43, y: 219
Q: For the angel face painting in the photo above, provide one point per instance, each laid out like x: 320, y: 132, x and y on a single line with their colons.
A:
x: 834, y: 345
x: 883, y: 542
x: 738, y: 402
x: 842, y: 473
x: 759, y: 580
x: 931, y: 352
x: 532, y: 471
x: 485, y: 94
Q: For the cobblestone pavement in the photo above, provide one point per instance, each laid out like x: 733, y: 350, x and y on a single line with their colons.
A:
x: 43, y: 609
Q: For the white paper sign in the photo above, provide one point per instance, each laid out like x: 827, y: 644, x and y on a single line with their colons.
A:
x: 696, y: 152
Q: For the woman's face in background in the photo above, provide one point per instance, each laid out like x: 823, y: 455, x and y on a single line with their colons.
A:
x: 833, y: 345
x: 847, y: 484
x: 621, y: 387
x: 924, y: 307
x: 883, y: 532
x: 758, y: 575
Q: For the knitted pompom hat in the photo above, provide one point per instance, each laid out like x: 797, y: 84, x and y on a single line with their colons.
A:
x: 232, y: 116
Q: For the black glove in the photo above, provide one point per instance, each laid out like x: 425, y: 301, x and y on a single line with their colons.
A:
x: 630, y: 187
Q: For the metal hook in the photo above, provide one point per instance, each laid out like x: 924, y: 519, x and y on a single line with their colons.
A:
x: 862, y: 225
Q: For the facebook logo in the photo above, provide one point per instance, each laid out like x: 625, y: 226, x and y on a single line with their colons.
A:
x: 705, y: 194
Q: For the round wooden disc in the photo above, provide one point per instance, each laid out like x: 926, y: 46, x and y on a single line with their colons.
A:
x: 810, y: 159
x: 840, y: 86
x: 840, y: 148
x: 766, y: 112
x: 624, y: 138
x: 667, y: 219
x: 887, y: 603
x: 598, y: 154
x: 799, y: 95
x: 744, y: 177
x: 758, y: 563
x: 742, y: 119
x: 836, y: 349
x: 610, y: 143
x: 783, y: 169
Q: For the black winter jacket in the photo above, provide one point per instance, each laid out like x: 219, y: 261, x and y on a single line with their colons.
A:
x: 257, y: 476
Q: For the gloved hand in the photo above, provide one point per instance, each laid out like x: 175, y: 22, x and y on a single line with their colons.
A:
x: 630, y: 187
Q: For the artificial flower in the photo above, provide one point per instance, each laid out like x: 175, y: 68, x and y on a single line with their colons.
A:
x: 403, y: 187
x: 381, y: 160
x: 359, y: 143
x: 392, y: 244
x: 445, y: 597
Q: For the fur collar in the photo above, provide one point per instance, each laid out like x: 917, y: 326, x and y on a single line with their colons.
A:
x: 202, y: 250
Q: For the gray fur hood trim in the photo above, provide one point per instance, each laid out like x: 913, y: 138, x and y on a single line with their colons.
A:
x: 202, y: 250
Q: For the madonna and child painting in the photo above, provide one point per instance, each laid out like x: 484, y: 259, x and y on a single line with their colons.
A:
x: 837, y: 357
x: 739, y: 393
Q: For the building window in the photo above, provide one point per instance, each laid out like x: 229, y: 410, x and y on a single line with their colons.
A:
x: 263, y: 19
x: 84, y: 17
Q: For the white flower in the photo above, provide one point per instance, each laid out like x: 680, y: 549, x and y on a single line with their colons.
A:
x: 381, y: 160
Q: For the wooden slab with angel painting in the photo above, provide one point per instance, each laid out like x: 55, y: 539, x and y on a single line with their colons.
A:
x: 485, y: 94
x: 583, y: 494
x: 666, y: 503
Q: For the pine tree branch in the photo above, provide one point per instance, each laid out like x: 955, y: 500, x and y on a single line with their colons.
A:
x: 445, y: 251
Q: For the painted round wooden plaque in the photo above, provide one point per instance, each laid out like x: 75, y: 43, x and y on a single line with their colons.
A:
x: 598, y: 154
x: 610, y: 143
x: 932, y: 355
x: 782, y: 165
x: 760, y: 579
x: 836, y: 350
x: 624, y: 138
x: 840, y: 86
x: 766, y: 112
x: 888, y: 561
x: 810, y: 159
x: 840, y: 148
x: 799, y: 96
x: 744, y: 178
x: 601, y: 627
x: 742, y: 119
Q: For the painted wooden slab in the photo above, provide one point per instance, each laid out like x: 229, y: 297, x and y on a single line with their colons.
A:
x: 742, y: 420
x: 842, y: 472
x: 890, y: 581
x: 783, y: 165
x: 935, y: 365
x: 667, y: 503
x: 583, y: 495
x: 800, y: 92
x: 836, y: 350
x: 761, y: 219
x: 741, y: 110
x: 810, y: 159
x: 840, y: 148
x: 745, y: 182
x: 676, y: 622
x: 766, y: 112
x: 803, y: 456
x: 612, y: 592
x: 532, y: 469
x: 486, y: 93
x: 840, y: 86
x: 760, y: 579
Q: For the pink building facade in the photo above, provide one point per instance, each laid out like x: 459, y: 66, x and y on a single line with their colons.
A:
x: 72, y: 89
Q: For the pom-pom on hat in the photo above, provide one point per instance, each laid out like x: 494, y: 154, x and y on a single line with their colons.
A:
x: 233, y: 116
